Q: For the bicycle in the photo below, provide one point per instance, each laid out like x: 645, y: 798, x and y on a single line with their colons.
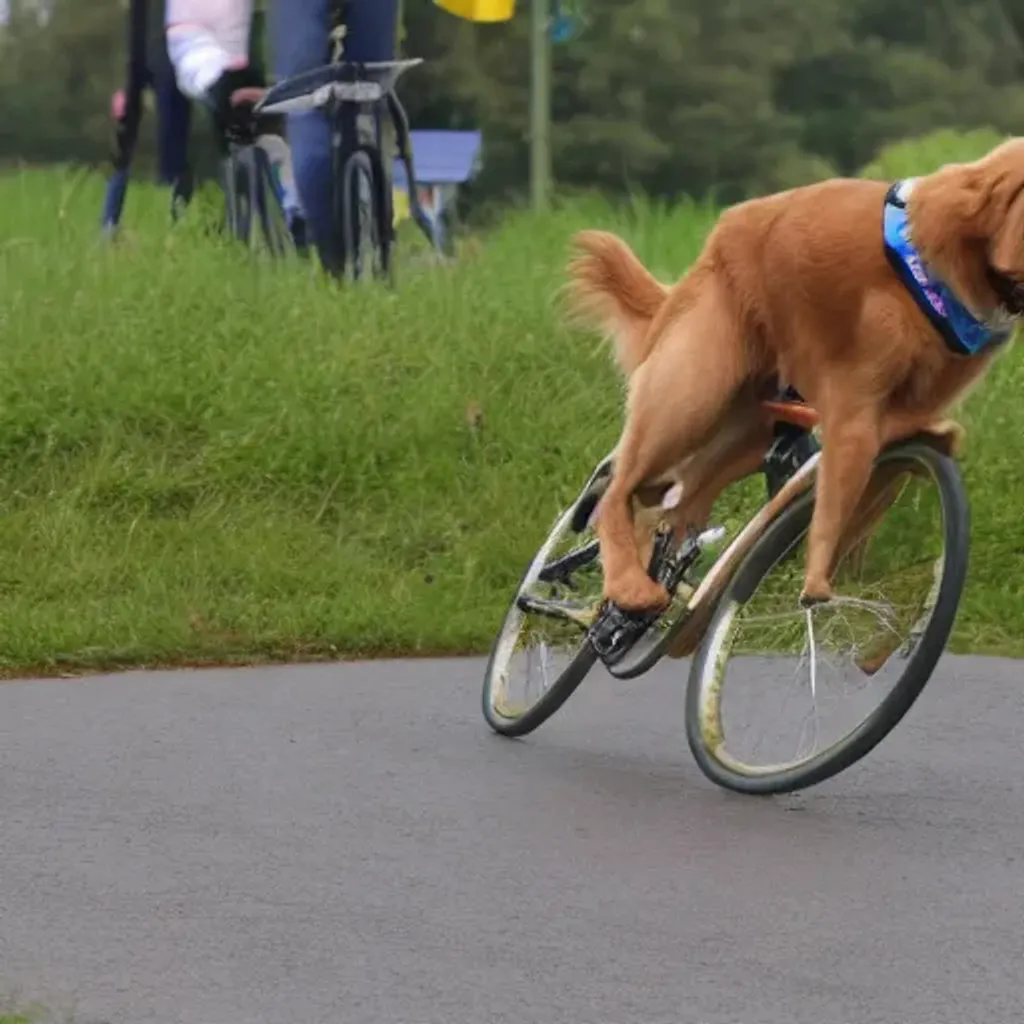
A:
x: 257, y: 159
x: 354, y: 95
x: 754, y: 580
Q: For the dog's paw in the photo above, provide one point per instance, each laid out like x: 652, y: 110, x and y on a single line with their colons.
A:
x: 870, y: 663
x: 815, y: 593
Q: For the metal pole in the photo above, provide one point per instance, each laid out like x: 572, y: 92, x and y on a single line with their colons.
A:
x: 540, y: 105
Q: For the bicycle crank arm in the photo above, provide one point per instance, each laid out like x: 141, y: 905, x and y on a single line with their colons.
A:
x: 576, y: 614
x: 562, y: 568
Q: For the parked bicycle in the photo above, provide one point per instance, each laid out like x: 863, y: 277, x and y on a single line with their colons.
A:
x: 898, y: 579
x: 255, y: 175
x: 356, y: 97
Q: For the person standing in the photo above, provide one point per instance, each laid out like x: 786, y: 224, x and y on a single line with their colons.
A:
x: 208, y: 43
x: 148, y: 66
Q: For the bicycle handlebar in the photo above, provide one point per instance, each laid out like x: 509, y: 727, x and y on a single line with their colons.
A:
x: 341, y: 82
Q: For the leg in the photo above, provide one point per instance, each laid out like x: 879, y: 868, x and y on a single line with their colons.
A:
x: 677, y: 399
x: 851, y: 441
x: 737, y: 450
x: 299, y: 42
x: 372, y: 29
x: 174, y: 115
x: 728, y: 458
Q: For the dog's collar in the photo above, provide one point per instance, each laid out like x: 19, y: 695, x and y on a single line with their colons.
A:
x: 962, y: 331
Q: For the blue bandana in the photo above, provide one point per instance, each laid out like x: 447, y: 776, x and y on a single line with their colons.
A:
x: 962, y: 331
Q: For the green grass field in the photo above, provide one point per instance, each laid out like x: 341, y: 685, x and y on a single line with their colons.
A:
x: 203, y: 459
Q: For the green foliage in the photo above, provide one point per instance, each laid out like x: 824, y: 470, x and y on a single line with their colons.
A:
x: 703, y: 98
x: 202, y: 459
x: 928, y: 153
x: 720, y: 99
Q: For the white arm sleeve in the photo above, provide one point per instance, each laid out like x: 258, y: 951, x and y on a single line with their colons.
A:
x: 205, y: 38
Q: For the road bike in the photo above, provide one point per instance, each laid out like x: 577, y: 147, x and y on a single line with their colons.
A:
x: 757, y: 653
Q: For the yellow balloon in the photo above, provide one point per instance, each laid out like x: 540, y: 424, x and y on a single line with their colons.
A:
x: 479, y: 10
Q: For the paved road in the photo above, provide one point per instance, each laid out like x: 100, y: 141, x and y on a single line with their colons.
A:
x: 350, y: 844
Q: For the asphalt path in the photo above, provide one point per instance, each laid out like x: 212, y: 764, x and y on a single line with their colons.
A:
x: 351, y: 844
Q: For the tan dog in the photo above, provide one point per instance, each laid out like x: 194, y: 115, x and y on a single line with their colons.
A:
x: 797, y: 286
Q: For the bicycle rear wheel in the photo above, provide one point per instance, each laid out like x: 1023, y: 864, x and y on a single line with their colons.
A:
x: 253, y: 212
x: 899, y: 576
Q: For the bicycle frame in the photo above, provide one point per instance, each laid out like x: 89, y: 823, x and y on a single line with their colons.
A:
x: 685, y: 636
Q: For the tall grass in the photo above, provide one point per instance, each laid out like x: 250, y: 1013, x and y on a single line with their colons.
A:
x: 206, y: 459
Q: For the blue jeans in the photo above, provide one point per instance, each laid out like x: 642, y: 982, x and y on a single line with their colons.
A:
x: 173, y: 125
x: 298, y: 35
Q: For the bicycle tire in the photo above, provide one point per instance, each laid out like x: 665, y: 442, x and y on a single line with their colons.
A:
x: 267, y: 203
x: 250, y: 198
x: 575, y: 672
x: 791, y: 524
x: 354, y: 202
x: 237, y: 213
x: 559, y: 692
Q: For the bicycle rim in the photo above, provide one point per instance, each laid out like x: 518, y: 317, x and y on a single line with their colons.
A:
x: 538, y: 660
x: 763, y: 701
x: 361, y: 217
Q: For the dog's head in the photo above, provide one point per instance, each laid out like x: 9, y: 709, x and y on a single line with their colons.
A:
x: 968, y: 220
x: 1005, y: 223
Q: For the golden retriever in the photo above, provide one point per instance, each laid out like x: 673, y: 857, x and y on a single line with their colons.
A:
x: 797, y: 287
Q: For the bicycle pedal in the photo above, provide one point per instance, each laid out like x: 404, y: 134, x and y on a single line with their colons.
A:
x: 616, y: 631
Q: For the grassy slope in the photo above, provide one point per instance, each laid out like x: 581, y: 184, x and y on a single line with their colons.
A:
x: 201, y: 459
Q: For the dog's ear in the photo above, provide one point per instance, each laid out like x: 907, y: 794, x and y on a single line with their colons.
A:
x: 1006, y: 244
x: 951, y: 224
x: 953, y: 200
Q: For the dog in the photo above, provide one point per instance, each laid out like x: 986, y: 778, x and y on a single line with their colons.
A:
x: 881, y: 304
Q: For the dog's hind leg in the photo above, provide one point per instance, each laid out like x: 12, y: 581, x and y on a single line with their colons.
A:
x: 736, y: 451
x: 677, y: 400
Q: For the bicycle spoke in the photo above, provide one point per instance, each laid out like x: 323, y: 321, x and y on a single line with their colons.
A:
x: 820, y: 673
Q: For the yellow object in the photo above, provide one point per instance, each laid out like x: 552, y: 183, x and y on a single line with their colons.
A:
x: 400, y: 201
x: 479, y: 10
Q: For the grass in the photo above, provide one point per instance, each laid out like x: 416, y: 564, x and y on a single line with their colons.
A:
x: 203, y: 460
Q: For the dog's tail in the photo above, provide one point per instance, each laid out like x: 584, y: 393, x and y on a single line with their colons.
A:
x: 612, y: 290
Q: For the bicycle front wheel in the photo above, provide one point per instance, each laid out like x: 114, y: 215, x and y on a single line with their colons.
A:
x: 542, y: 652
x: 781, y: 697
x: 366, y: 246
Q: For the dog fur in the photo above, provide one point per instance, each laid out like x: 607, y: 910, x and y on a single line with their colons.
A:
x: 793, y: 286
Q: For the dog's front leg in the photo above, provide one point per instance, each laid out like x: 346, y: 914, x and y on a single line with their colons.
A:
x: 850, y: 444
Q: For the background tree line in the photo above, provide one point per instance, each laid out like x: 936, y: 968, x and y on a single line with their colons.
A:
x: 722, y: 97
